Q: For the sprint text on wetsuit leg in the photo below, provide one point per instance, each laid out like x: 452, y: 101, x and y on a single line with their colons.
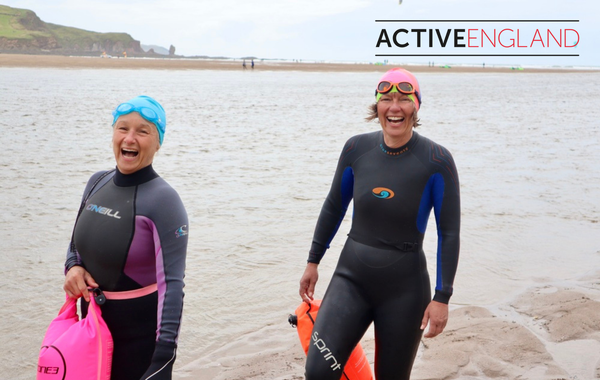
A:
x: 320, y: 344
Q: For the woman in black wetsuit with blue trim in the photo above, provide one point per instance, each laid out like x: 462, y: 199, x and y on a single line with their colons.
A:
x: 395, y: 177
x: 130, y: 240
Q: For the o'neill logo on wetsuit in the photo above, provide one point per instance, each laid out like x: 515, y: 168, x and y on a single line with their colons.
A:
x: 320, y: 344
x: 181, y: 231
x: 383, y: 193
x: 103, y: 210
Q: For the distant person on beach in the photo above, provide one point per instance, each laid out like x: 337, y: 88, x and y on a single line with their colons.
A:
x: 395, y: 177
x: 244, y: 64
x: 130, y: 240
x: 252, y: 64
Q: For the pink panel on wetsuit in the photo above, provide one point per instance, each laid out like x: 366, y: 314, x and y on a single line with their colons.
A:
x: 141, y: 259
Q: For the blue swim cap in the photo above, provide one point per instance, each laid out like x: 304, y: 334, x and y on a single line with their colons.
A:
x: 148, y: 108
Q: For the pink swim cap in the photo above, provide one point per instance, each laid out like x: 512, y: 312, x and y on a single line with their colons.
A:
x: 399, y: 75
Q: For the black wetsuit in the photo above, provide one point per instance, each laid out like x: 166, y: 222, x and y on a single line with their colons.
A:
x: 381, y: 275
x: 132, y: 232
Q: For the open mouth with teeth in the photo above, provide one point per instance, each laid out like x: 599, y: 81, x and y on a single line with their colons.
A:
x: 394, y: 119
x: 129, y: 152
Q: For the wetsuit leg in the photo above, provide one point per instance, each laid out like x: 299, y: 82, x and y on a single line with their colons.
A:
x: 385, y: 286
x: 132, y: 324
x: 398, y: 319
x: 397, y: 333
x: 343, y: 318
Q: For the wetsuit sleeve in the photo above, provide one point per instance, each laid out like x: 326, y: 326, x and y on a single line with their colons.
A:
x: 446, y: 203
x: 335, y: 205
x: 73, y: 257
x: 171, y: 238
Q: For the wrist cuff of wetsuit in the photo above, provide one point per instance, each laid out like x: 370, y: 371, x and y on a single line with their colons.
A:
x: 314, y: 258
x: 442, y: 297
x: 316, y: 253
x: 163, y: 358
x: 68, y: 266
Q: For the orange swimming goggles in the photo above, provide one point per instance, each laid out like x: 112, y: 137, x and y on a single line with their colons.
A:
x: 404, y: 87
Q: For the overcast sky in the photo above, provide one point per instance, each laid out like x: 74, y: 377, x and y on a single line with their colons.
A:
x: 342, y: 30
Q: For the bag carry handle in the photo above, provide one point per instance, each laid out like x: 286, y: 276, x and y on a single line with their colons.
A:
x: 96, y: 300
x: 67, y: 305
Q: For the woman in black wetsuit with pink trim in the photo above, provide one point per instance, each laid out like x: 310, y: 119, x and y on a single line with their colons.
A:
x: 130, y: 240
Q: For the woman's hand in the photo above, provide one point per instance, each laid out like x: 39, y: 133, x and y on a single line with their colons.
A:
x: 77, y: 281
x: 436, y: 315
x: 308, y: 281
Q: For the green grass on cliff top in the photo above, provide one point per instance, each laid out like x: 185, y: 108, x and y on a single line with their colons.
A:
x: 68, y: 35
x: 11, y: 28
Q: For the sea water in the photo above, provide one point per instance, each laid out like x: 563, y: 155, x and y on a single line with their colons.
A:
x: 252, y: 155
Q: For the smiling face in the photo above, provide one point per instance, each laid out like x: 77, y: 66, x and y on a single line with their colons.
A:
x: 395, y: 112
x: 135, y: 142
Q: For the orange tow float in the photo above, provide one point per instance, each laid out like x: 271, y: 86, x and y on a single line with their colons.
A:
x: 357, y: 367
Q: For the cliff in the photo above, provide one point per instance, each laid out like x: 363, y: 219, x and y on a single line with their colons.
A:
x: 22, y: 31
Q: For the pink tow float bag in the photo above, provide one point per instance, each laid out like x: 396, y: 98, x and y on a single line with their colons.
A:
x: 75, y: 349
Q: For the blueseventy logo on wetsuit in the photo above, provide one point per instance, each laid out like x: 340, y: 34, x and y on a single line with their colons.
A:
x: 103, y: 210
x: 383, y: 193
x: 320, y: 344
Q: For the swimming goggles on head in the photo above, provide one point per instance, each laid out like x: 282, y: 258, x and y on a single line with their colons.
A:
x: 146, y: 112
x: 404, y: 87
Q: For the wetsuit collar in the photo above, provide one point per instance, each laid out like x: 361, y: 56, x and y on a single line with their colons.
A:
x: 398, y: 151
x: 141, y: 176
